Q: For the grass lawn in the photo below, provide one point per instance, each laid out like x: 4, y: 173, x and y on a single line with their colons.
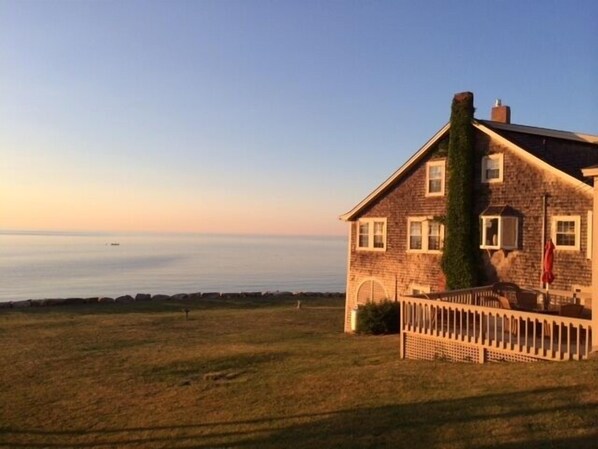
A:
x: 257, y: 373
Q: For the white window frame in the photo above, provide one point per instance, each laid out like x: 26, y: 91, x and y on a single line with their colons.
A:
x: 425, y: 222
x: 553, y: 228
x: 499, y: 240
x: 493, y: 157
x: 589, y: 235
x: 418, y: 289
x: 436, y: 163
x: 371, y: 225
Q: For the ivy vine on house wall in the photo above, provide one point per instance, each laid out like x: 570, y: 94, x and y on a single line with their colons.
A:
x: 460, y: 250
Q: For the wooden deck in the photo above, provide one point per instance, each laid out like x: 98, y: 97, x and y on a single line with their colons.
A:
x: 453, y: 326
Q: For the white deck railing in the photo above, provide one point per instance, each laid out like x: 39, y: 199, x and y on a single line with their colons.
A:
x: 465, y: 296
x: 523, y: 334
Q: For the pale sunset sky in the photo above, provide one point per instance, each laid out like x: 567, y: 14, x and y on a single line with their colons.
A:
x: 260, y: 117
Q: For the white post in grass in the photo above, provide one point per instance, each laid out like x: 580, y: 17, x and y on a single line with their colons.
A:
x: 592, y: 172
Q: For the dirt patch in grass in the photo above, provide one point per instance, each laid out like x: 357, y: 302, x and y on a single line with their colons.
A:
x: 218, y: 368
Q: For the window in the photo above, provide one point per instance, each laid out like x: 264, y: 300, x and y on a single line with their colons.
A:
x: 379, y: 235
x: 566, y: 232
x: 435, y: 178
x: 371, y: 290
x: 499, y: 232
x: 372, y: 234
x: 499, y: 228
x: 418, y: 289
x: 364, y: 234
x: 434, y: 229
x: 492, y: 168
x: 425, y: 235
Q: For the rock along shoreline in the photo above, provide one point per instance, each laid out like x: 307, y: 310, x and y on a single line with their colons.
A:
x: 144, y: 297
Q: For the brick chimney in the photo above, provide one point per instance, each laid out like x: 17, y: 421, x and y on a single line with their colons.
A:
x: 500, y: 113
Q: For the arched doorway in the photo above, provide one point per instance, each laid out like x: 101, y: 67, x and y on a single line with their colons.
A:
x: 370, y: 290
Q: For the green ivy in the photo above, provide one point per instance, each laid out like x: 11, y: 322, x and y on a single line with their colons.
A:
x: 460, y: 250
x: 442, y: 148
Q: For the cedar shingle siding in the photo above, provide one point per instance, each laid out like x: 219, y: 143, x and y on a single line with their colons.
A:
x: 523, y: 188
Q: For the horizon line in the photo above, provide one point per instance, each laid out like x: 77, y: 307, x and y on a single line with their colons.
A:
x: 42, y: 231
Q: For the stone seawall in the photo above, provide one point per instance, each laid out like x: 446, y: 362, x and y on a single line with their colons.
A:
x: 140, y: 297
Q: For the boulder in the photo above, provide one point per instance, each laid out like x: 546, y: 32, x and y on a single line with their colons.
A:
x: 180, y: 297
x: 21, y: 304
x: 143, y: 297
x: 230, y: 295
x: 125, y: 299
x: 278, y: 293
x: 53, y: 302
x: 334, y: 295
x: 251, y: 294
x: 105, y: 299
x: 211, y: 295
x: 160, y: 298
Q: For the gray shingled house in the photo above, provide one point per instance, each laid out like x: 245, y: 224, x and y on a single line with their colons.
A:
x: 528, y: 187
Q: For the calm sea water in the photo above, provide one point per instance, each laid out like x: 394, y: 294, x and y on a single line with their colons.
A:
x: 46, y: 265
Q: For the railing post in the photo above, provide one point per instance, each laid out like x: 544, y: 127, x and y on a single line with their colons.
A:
x: 482, y: 355
x: 402, y: 320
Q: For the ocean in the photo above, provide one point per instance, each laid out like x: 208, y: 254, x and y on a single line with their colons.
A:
x: 36, y: 265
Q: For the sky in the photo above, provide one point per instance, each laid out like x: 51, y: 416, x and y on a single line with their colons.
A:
x: 260, y: 117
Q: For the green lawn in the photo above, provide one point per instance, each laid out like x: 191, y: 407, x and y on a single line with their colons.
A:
x: 257, y: 373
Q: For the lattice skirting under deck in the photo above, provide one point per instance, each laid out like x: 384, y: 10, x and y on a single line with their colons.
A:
x: 418, y: 347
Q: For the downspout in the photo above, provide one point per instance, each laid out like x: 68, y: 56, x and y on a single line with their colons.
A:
x: 544, y: 196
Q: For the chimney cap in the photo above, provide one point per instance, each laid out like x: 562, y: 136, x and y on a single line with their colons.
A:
x: 500, y: 113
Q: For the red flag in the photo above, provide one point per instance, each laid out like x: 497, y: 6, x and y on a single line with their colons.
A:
x: 547, y: 274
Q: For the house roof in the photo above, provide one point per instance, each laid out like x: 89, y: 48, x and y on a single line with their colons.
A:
x: 544, y: 132
x: 382, y: 188
x: 499, y: 211
x: 547, y: 149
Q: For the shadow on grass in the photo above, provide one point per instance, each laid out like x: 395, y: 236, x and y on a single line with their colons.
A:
x: 543, y: 418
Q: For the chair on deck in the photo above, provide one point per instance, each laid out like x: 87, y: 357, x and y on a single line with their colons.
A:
x: 510, y: 325
x: 527, y: 300
x: 487, y: 301
x: 507, y: 290
x: 504, y: 303
x: 572, y: 310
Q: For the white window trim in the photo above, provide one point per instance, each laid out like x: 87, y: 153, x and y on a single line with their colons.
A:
x: 499, y: 244
x: 577, y: 220
x: 421, y: 288
x: 371, y: 222
x: 436, y: 163
x: 425, y: 221
x: 589, y: 234
x: 495, y: 156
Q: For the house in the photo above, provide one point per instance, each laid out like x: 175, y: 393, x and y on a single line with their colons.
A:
x: 528, y: 187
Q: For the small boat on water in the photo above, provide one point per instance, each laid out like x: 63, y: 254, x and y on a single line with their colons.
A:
x: 115, y: 244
